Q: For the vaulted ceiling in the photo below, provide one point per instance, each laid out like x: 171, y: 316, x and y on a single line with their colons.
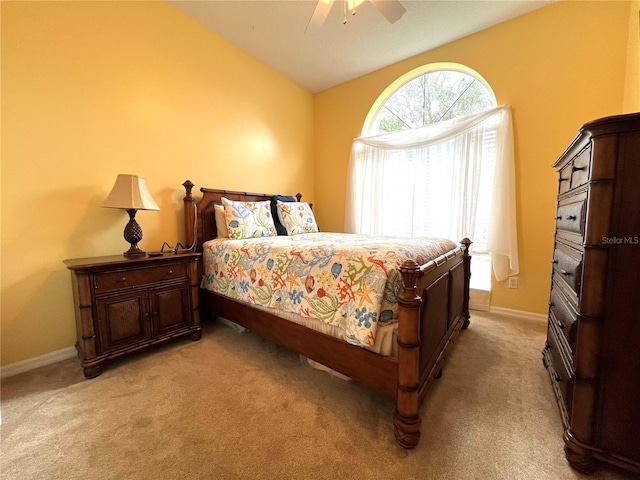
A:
x: 273, y: 31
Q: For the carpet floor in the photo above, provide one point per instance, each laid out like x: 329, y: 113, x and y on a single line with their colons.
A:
x: 234, y: 406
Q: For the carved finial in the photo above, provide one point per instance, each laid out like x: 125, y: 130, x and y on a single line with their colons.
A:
x: 410, y: 272
x: 188, y: 185
x: 467, y: 243
x: 299, y: 196
x: 409, y: 266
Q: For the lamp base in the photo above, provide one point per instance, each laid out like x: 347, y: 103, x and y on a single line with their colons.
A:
x: 134, y: 251
x: 133, y: 234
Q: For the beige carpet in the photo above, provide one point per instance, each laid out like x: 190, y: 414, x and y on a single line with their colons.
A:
x: 233, y: 406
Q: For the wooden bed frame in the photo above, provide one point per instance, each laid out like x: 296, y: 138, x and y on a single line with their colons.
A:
x: 433, y: 307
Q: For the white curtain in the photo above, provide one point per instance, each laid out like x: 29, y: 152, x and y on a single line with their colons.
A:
x: 454, y: 179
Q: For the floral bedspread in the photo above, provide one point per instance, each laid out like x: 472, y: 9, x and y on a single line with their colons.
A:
x: 346, y: 280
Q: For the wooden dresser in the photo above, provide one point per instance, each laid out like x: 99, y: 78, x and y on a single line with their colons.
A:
x: 125, y: 304
x: 592, y: 351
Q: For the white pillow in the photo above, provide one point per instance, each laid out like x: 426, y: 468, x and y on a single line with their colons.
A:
x: 221, y: 222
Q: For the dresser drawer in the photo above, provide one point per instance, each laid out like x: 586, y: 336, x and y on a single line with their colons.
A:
x: 576, y: 172
x: 580, y: 168
x: 564, y: 317
x: 567, y: 265
x: 565, y: 179
x: 123, y: 279
x: 562, y: 371
x: 570, y: 216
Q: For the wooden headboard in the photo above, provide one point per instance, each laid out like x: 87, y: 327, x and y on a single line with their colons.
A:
x: 199, y: 217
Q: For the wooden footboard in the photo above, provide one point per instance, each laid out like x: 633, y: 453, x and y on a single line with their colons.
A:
x: 433, y: 307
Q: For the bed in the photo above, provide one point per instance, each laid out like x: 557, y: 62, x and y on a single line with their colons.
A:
x: 432, y: 308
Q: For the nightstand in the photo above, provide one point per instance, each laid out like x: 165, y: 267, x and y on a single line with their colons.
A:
x: 126, y: 304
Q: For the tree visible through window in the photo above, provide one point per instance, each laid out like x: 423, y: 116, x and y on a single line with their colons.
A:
x: 431, y: 98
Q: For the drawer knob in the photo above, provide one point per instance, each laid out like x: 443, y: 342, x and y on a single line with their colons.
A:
x: 554, y: 261
x: 122, y: 279
x: 559, y: 217
x: 577, y: 169
x: 564, y: 272
x: 561, y: 325
x: 551, y: 304
x: 572, y: 217
x: 170, y: 272
x: 557, y: 377
x: 563, y: 179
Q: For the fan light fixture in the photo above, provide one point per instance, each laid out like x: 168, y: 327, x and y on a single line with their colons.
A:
x: 391, y: 9
x: 350, y: 6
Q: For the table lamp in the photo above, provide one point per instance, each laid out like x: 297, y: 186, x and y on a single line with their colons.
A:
x: 130, y: 193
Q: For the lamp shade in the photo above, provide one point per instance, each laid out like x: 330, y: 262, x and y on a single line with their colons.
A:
x: 130, y: 192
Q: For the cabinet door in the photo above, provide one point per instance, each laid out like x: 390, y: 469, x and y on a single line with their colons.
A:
x: 123, y: 320
x: 170, y: 308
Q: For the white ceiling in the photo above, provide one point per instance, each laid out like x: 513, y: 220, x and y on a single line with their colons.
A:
x: 273, y: 31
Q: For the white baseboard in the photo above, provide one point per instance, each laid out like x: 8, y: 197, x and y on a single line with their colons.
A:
x: 508, y: 312
x: 37, y: 362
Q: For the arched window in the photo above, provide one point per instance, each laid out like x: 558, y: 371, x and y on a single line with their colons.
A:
x: 437, y: 95
x: 433, y: 147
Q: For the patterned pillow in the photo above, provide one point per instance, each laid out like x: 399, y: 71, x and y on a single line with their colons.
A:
x: 297, y: 217
x: 248, y: 219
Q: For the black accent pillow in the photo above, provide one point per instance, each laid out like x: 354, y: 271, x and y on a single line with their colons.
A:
x: 274, y: 212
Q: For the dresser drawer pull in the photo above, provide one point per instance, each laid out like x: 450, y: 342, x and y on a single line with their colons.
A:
x: 571, y: 217
x: 564, y: 272
x: 551, y: 304
x: 577, y: 169
x: 563, y: 180
x: 559, y: 217
x: 170, y: 272
x: 122, y: 280
x: 554, y: 262
x: 557, y: 377
x: 561, y: 325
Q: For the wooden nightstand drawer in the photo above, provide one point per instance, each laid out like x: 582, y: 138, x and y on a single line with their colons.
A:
x: 107, y: 282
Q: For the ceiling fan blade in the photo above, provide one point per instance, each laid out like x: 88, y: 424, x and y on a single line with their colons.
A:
x: 319, y: 16
x: 391, y: 9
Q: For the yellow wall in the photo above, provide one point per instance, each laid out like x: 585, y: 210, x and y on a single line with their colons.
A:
x: 632, y: 83
x: 558, y: 67
x: 93, y: 89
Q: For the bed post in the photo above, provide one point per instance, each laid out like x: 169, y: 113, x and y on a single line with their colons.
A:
x: 466, y: 243
x: 189, y: 212
x: 406, y: 418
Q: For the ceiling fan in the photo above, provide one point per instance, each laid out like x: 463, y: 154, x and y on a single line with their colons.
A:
x: 391, y: 9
